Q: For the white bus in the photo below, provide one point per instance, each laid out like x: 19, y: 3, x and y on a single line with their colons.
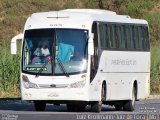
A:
x: 82, y: 57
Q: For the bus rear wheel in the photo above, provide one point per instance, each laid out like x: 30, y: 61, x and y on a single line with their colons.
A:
x: 39, y: 105
x: 130, y: 104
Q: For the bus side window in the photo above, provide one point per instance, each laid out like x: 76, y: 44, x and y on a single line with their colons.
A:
x: 140, y: 35
x: 145, y: 38
x: 102, y: 32
x: 118, y: 36
x: 112, y: 36
x: 136, y: 37
x: 107, y: 37
x: 122, y: 43
x: 129, y: 36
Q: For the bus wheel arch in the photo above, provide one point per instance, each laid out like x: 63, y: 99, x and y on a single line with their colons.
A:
x: 103, y: 91
x: 135, y: 85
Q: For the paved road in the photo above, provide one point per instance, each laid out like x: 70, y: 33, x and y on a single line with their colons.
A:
x: 20, y: 110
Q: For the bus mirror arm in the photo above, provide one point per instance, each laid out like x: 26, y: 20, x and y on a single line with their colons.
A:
x: 90, y: 45
x: 14, y: 43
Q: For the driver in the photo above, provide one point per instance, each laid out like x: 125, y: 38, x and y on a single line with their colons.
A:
x: 42, y: 50
x: 41, y: 53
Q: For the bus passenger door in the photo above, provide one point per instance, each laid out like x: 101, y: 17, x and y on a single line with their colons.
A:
x: 95, y: 57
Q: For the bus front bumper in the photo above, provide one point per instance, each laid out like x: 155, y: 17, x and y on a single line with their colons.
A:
x: 55, y: 94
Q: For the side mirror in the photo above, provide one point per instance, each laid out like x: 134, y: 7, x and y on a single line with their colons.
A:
x: 14, y: 43
x: 91, y: 45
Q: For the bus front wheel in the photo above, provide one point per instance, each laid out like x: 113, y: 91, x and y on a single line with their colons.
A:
x: 130, y: 104
x: 96, y: 106
x: 119, y: 107
x: 39, y: 105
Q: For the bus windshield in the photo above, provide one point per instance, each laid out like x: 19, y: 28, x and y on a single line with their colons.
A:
x: 55, y: 51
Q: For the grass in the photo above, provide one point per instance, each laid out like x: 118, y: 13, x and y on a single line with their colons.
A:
x: 138, y: 8
x: 155, y: 69
x: 9, y: 74
x: 13, y: 14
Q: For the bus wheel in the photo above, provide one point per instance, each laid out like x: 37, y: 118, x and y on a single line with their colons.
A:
x: 96, y: 106
x: 71, y: 107
x: 39, y: 105
x: 129, y: 105
x: 119, y: 107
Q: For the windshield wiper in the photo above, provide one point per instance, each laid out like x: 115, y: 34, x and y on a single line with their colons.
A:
x: 62, y: 67
x: 59, y: 63
x: 41, y: 69
x: 58, y: 60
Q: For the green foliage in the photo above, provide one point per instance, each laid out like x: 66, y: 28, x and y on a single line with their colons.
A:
x: 138, y: 8
x: 154, y: 23
x: 92, y: 4
x: 70, y: 4
x: 144, y: 9
x: 9, y: 72
x: 155, y: 69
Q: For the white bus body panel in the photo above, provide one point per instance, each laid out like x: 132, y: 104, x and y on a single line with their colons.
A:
x: 120, y: 69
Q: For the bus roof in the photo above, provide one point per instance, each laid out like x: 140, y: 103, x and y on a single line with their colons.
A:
x: 105, y: 15
x: 78, y: 16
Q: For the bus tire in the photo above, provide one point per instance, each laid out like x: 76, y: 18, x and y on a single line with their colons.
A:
x: 96, y: 106
x: 39, y: 105
x: 119, y: 107
x: 130, y: 104
x: 71, y: 107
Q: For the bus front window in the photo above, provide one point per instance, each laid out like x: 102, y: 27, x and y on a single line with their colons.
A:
x: 55, y: 51
x: 37, y: 50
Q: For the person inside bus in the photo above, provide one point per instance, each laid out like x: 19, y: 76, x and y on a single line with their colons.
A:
x: 41, y: 53
x: 42, y: 49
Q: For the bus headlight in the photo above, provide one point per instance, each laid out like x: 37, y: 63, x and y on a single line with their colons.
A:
x: 27, y: 84
x: 33, y: 85
x: 79, y: 84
